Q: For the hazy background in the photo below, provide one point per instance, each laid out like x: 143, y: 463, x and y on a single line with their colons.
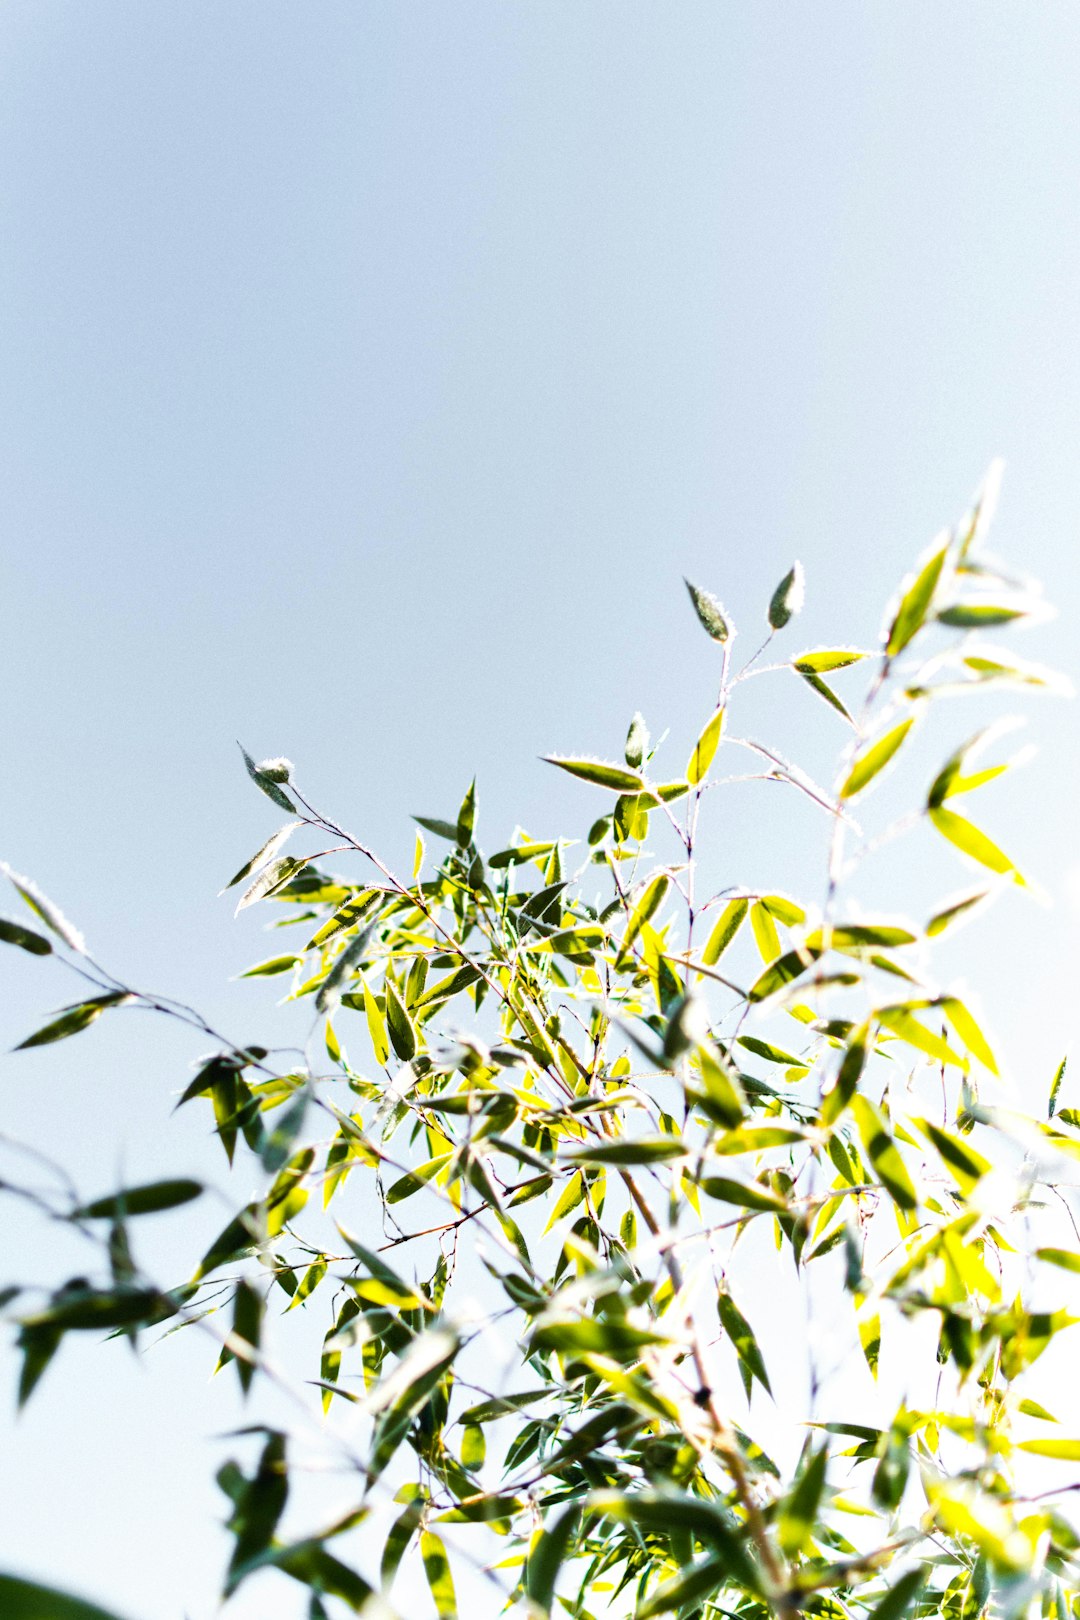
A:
x: 369, y: 374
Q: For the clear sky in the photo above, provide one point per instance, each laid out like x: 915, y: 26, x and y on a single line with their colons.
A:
x: 369, y: 375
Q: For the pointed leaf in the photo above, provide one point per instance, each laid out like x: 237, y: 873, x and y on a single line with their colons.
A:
x: 710, y: 612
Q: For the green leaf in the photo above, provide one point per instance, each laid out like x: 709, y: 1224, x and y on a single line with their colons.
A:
x: 249, y: 1308
x: 330, y: 991
x: 953, y: 913
x: 441, y: 829
x: 646, y: 907
x: 272, y: 967
x: 979, y: 615
x: 671, y: 1512
x: 637, y: 743
x: 258, y: 1504
x: 1055, y: 1087
x: 901, y: 1597
x: 869, y: 762
x: 782, y: 972
x: 309, y: 1563
x: 13, y: 933
x: 354, y: 910
x: 26, y: 1600
x: 599, y: 773
x: 799, y: 1513
x: 742, y: 1337
x: 824, y: 659
x: 705, y: 748
x: 267, y: 782
x: 700, y: 1580
x: 74, y: 1019
x: 43, y: 907
x: 915, y: 602
x: 401, y: 1029
x: 274, y: 876
x: 723, y: 1090
x: 745, y: 1195
x: 902, y: 1021
x: 763, y: 927
x: 710, y: 612
x: 376, y: 1023
x: 630, y: 1150
x: 473, y: 1446
x: 890, y: 1168
x: 439, y: 1577
x: 966, y: 1165
x: 147, y: 1199
x: 724, y: 929
x: 824, y: 690
x: 466, y: 820
x: 519, y: 854
x: 273, y: 844
x: 787, y: 599
x: 972, y: 842
x: 969, y: 1032
x: 547, y: 1557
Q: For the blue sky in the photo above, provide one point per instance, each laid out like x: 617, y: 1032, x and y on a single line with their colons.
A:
x: 369, y: 375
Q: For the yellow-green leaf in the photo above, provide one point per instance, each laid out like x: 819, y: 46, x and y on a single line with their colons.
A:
x: 873, y: 760
x: 705, y: 748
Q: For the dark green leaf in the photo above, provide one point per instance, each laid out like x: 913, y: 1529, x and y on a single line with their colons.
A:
x: 710, y: 612
x: 13, y: 933
x: 787, y: 599
x: 267, y: 780
x: 147, y: 1199
x: 26, y: 1600
x: 73, y: 1020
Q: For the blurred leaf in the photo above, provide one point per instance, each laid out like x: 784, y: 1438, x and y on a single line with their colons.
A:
x: 979, y: 615
x: 547, y: 1557
x: 742, y: 1337
x: 915, y: 602
x: 13, y: 933
x: 439, y: 1578
x: 744, y: 1195
x: 871, y: 761
x: 972, y: 842
x: 901, y: 1597
x: 26, y: 1600
x: 700, y: 1580
x: 147, y: 1199
x: 249, y: 1308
